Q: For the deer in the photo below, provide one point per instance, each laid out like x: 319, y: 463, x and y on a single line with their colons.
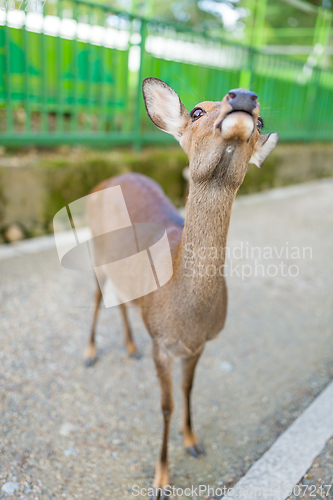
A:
x: 220, y: 139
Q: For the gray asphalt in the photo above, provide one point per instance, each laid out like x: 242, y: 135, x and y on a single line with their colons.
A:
x: 318, y: 481
x: 72, y: 432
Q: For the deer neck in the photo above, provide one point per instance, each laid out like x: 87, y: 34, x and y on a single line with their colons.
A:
x: 202, y: 250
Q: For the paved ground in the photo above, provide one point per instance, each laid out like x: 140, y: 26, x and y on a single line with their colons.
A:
x: 71, y: 432
x: 318, y: 482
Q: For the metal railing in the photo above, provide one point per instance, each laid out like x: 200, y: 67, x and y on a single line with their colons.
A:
x: 71, y: 71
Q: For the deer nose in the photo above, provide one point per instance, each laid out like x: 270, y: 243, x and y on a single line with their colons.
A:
x: 242, y: 100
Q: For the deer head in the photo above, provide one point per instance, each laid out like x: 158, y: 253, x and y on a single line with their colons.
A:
x: 220, y: 138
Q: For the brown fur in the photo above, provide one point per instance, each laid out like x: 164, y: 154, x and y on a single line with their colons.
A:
x: 189, y: 310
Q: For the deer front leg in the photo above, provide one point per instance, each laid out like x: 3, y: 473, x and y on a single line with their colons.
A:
x: 90, y: 352
x: 163, y: 363
x: 132, y: 350
x: 190, y: 441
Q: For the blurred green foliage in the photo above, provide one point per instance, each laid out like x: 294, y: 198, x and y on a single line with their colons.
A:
x: 212, y: 15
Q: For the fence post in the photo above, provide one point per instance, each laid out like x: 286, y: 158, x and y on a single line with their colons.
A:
x: 9, y: 104
x: 138, y: 96
x: 312, y: 90
x: 245, y: 77
x: 59, y: 72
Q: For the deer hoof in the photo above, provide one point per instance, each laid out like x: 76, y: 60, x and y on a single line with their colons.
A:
x: 90, y: 355
x: 88, y: 362
x: 196, y: 451
x: 132, y: 350
x: 135, y: 355
x: 158, y: 496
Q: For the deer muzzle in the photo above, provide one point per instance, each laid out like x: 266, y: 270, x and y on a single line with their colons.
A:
x: 238, y: 114
x: 242, y: 100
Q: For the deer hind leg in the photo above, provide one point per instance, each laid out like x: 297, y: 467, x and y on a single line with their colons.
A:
x: 163, y: 364
x: 190, y: 441
x: 131, y: 347
x: 90, y: 352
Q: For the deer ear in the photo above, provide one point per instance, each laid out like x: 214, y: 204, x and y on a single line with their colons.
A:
x: 264, y: 146
x: 164, y: 107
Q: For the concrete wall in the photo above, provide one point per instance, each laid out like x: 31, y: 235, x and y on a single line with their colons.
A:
x: 22, y: 198
x: 36, y: 184
x: 303, y: 162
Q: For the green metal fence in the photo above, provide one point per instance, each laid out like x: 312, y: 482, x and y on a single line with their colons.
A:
x: 72, y: 72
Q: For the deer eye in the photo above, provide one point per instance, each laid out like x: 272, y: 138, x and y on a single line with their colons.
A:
x: 260, y: 123
x: 197, y: 113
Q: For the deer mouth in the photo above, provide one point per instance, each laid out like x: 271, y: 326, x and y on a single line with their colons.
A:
x: 237, y: 124
x: 239, y: 111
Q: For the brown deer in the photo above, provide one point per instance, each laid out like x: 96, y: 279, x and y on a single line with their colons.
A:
x: 220, y: 139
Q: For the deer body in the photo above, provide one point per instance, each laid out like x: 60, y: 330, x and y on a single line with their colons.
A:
x: 220, y: 138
